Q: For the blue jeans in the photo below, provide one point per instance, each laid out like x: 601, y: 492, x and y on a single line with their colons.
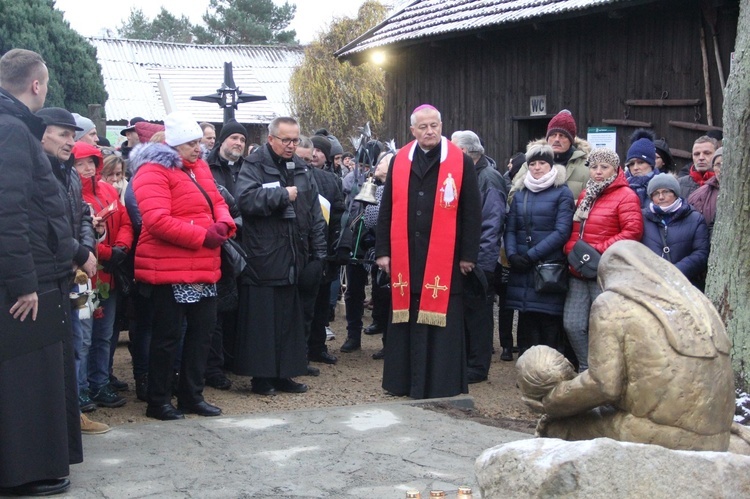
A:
x: 81, y: 344
x: 101, y: 338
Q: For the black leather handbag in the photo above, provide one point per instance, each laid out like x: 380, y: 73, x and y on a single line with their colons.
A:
x: 583, y: 258
x: 551, y: 277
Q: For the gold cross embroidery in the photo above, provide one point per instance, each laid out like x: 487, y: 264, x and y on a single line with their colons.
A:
x: 436, y: 287
x: 400, y: 284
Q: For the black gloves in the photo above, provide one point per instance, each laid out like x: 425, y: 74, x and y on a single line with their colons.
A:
x: 118, y: 256
x: 521, y: 263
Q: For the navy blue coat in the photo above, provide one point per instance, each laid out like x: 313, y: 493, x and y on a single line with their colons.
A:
x: 687, y: 238
x: 550, y: 217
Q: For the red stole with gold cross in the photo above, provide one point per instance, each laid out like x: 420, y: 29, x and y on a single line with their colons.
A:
x: 433, y: 304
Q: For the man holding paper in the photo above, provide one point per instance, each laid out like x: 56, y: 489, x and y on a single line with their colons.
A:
x: 284, y: 235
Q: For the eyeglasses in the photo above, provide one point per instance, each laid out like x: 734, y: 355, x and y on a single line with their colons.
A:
x: 287, y: 141
x: 662, y: 193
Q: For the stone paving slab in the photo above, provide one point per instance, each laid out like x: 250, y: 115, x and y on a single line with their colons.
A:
x: 367, y: 451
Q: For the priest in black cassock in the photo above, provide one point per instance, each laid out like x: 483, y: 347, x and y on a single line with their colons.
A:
x: 40, y: 429
x: 428, y: 241
x: 283, y: 232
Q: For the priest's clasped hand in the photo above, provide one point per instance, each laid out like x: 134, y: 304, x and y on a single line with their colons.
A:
x: 466, y: 267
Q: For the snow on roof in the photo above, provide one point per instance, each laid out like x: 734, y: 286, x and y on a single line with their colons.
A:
x: 420, y: 19
x: 133, y: 69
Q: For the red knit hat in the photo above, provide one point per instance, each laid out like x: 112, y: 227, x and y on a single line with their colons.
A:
x: 564, y: 123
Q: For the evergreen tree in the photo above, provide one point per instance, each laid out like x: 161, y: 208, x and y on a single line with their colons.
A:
x: 252, y: 22
x: 339, y: 96
x: 164, y: 28
x: 75, y: 75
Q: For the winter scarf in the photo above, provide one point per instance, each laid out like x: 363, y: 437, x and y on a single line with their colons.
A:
x: 700, y: 178
x: 543, y: 183
x: 593, y: 191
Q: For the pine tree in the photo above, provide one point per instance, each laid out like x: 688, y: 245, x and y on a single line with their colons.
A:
x: 75, y: 75
x: 164, y: 28
x: 252, y: 22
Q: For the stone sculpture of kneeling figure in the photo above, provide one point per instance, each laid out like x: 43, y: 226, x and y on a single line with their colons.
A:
x: 659, y: 366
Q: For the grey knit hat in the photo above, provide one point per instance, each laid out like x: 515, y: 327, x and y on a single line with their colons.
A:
x: 719, y: 152
x: 84, y: 124
x: 663, y: 181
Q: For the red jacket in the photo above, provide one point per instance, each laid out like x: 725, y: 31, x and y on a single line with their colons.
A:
x: 615, y: 216
x: 99, y: 194
x: 175, y: 217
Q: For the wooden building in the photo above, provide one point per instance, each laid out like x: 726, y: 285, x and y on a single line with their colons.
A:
x: 485, y: 64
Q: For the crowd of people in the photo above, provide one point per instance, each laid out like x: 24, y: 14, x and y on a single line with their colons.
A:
x: 220, y: 256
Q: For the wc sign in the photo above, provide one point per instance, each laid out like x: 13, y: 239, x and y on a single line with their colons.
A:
x: 538, y: 105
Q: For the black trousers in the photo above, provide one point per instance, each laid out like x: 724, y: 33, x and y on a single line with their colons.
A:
x: 165, y: 342
x: 504, y: 317
x: 536, y: 328
x: 222, y: 336
x: 356, y: 280
x: 479, y: 326
x: 316, y: 341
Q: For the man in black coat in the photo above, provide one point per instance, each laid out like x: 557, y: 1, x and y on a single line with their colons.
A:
x: 284, y: 235
x: 225, y: 160
x: 480, y: 323
x: 57, y: 142
x: 329, y: 185
x: 39, y: 419
x: 430, y: 181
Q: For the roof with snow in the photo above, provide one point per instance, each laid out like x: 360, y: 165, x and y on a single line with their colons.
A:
x: 416, y: 20
x: 143, y: 78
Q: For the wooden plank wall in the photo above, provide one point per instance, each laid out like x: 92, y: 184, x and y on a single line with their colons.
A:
x: 589, y: 65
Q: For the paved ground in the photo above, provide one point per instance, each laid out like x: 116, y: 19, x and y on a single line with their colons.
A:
x: 366, y: 451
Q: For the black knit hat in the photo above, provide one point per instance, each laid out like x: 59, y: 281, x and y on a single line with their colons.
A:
x: 322, y: 143
x: 230, y: 128
x: 59, y: 117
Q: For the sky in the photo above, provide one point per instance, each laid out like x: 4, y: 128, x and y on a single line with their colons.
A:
x: 91, y: 19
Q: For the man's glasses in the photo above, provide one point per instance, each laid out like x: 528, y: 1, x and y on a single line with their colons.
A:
x: 286, y: 142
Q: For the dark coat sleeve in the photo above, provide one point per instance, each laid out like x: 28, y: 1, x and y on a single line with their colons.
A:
x: 493, y: 220
x: 469, y: 213
x: 16, y: 260
x: 255, y: 200
x: 695, y: 261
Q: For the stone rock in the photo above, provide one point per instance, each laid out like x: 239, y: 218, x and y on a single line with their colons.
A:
x: 603, y: 467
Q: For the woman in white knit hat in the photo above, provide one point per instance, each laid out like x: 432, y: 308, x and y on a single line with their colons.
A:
x: 185, y: 222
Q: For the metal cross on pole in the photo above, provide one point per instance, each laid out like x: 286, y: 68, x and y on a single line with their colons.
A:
x: 228, y: 96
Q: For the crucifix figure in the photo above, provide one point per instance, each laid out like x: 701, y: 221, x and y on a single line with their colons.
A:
x: 229, y: 95
x: 401, y: 284
x: 436, y: 287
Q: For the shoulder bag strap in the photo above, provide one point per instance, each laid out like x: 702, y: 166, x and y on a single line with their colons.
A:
x: 191, y: 176
x: 526, y: 219
x: 665, y: 247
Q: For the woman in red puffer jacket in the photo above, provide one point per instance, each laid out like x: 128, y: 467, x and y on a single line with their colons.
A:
x: 608, y: 211
x: 185, y: 222
x: 112, y: 250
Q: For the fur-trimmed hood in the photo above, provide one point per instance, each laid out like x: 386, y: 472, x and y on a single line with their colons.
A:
x: 160, y: 154
x: 559, y: 179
